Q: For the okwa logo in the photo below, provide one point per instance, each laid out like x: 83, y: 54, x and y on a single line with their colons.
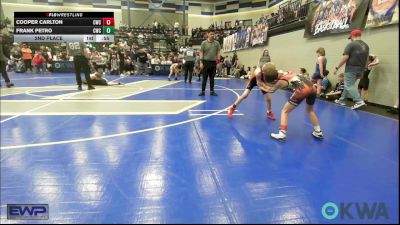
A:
x: 356, y: 210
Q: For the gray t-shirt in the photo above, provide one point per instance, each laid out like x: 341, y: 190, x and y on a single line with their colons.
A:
x: 190, y: 55
x: 75, y: 48
x: 264, y: 60
x: 358, y: 52
x: 210, y: 50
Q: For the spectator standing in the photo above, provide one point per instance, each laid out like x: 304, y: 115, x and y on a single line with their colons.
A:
x: 355, y: 56
x: 265, y: 58
x: 234, y: 58
x: 320, y: 69
x: 228, y: 65
x: 364, y: 82
x: 27, y: 55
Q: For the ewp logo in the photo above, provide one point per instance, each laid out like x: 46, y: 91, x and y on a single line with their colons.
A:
x: 27, y: 212
x: 375, y: 211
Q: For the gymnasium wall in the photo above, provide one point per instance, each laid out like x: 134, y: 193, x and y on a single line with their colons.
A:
x: 246, y: 13
x: 144, y: 17
x: 291, y: 51
x: 196, y: 21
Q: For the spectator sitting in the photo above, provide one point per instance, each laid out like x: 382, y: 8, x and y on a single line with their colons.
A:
x: 17, y: 62
x: 337, y: 92
x: 63, y: 56
x: 326, y: 84
x: 167, y: 62
x: 254, y: 69
x: 114, y: 65
x: 155, y: 60
x: 39, y: 62
x: 15, y: 58
x: 100, y: 63
x: 240, y: 72
x: 247, y: 75
x: 303, y: 73
x: 128, y: 66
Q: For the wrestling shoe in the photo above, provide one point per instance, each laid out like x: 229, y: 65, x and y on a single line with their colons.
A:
x: 213, y: 93
x: 281, y: 136
x: 318, y: 135
x: 271, y: 116
x: 231, y: 111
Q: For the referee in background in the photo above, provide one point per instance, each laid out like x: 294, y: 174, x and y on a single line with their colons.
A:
x: 210, y: 55
x: 190, y: 56
x: 81, y: 62
x: 4, y: 56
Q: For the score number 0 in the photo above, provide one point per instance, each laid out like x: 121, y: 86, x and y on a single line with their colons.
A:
x: 108, y: 21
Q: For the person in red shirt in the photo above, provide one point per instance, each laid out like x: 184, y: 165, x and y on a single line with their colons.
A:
x: 39, y: 61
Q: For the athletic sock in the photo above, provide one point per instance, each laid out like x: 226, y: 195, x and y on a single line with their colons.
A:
x: 283, y: 128
x: 317, y: 128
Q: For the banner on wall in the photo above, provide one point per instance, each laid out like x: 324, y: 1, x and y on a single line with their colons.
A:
x: 335, y: 16
x: 259, y: 35
x: 229, y: 43
x: 248, y: 37
x: 234, y: 41
x: 382, y: 13
x: 240, y: 40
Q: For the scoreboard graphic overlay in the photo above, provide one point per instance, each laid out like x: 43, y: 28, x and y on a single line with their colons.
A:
x: 64, y: 26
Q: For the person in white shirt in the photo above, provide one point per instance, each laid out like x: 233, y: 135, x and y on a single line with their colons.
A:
x: 155, y: 60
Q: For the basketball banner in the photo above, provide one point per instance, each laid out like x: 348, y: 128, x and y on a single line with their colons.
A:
x: 383, y: 13
x: 239, y: 40
x: 335, y: 16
